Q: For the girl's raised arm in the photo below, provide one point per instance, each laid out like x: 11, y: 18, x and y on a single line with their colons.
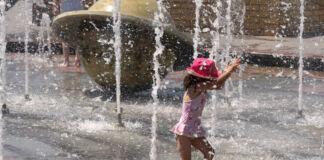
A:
x: 219, y: 83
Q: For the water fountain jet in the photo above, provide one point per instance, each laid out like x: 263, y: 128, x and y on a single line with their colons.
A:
x: 3, y: 67
x: 28, y: 10
x: 301, y: 63
x: 159, y: 20
x: 47, y: 23
x: 197, y: 29
x: 117, y: 49
x: 215, y: 56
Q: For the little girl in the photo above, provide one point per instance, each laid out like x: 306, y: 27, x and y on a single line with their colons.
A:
x: 202, y: 76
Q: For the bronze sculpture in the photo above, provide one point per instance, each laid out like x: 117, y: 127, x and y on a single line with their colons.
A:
x: 91, y: 32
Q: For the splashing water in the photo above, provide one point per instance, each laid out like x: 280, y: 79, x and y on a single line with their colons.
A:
x: 196, y: 38
x: 102, y: 126
x: 301, y: 64
x: 27, y: 30
x: 242, y: 18
x: 215, y: 34
x: 214, y: 56
x: 3, y: 63
x: 43, y: 24
x: 158, y: 20
x: 41, y: 38
x: 285, y: 8
x: 228, y: 42
x: 117, y: 49
x: 228, y: 29
x: 45, y: 27
x: 47, y: 24
x: 3, y: 49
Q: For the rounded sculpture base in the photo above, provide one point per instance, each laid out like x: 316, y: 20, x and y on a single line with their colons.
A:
x: 91, y: 32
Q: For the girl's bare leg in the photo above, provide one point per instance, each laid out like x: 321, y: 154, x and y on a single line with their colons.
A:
x: 184, y: 147
x: 203, y: 145
x: 77, y: 58
x: 66, y: 51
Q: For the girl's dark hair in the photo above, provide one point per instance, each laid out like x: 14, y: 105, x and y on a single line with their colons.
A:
x: 191, y: 80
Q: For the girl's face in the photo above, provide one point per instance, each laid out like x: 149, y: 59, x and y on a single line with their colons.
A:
x: 193, y: 80
x: 202, y: 80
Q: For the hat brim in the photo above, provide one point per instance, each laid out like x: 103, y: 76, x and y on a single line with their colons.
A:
x: 190, y: 71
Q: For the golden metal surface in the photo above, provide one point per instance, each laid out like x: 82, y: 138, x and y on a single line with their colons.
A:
x: 138, y: 8
x: 91, y: 32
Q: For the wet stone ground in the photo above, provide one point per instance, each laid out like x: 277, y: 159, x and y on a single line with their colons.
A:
x: 69, y: 117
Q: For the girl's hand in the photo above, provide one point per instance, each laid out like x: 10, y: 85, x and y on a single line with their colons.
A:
x: 226, y: 73
x: 236, y: 63
x: 233, y: 66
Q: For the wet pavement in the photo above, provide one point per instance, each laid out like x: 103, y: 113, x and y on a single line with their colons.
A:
x: 69, y: 117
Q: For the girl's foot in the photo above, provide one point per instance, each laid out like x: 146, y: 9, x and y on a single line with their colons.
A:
x: 77, y: 63
x: 77, y: 59
x: 65, y: 64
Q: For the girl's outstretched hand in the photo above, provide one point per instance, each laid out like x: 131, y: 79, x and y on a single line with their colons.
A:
x: 233, y: 66
x: 236, y: 63
x: 220, y: 82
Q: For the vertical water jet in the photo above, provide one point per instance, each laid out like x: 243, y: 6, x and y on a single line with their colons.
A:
x: 3, y: 68
x: 301, y: 63
x: 3, y: 56
x: 117, y: 49
x: 228, y: 18
x: 40, y: 38
x: 215, y: 56
x: 47, y: 24
x: 27, y: 9
x: 241, y: 19
x: 196, y: 37
x: 159, y: 48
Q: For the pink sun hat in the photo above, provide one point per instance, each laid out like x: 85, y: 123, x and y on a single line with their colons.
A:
x: 204, y: 68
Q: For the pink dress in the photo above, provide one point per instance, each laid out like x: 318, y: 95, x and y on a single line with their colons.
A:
x: 189, y: 124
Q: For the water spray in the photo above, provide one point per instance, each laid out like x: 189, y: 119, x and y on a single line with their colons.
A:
x: 3, y: 68
x: 47, y: 24
x: 158, y: 21
x: 215, y: 56
x: 301, y: 63
x: 242, y: 67
x: 27, y: 8
x: 228, y: 44
x: 322, y: 145
x: 117, y: 49
x: 196, y: 38
x: 41, y: 38
x: 3, y: 56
